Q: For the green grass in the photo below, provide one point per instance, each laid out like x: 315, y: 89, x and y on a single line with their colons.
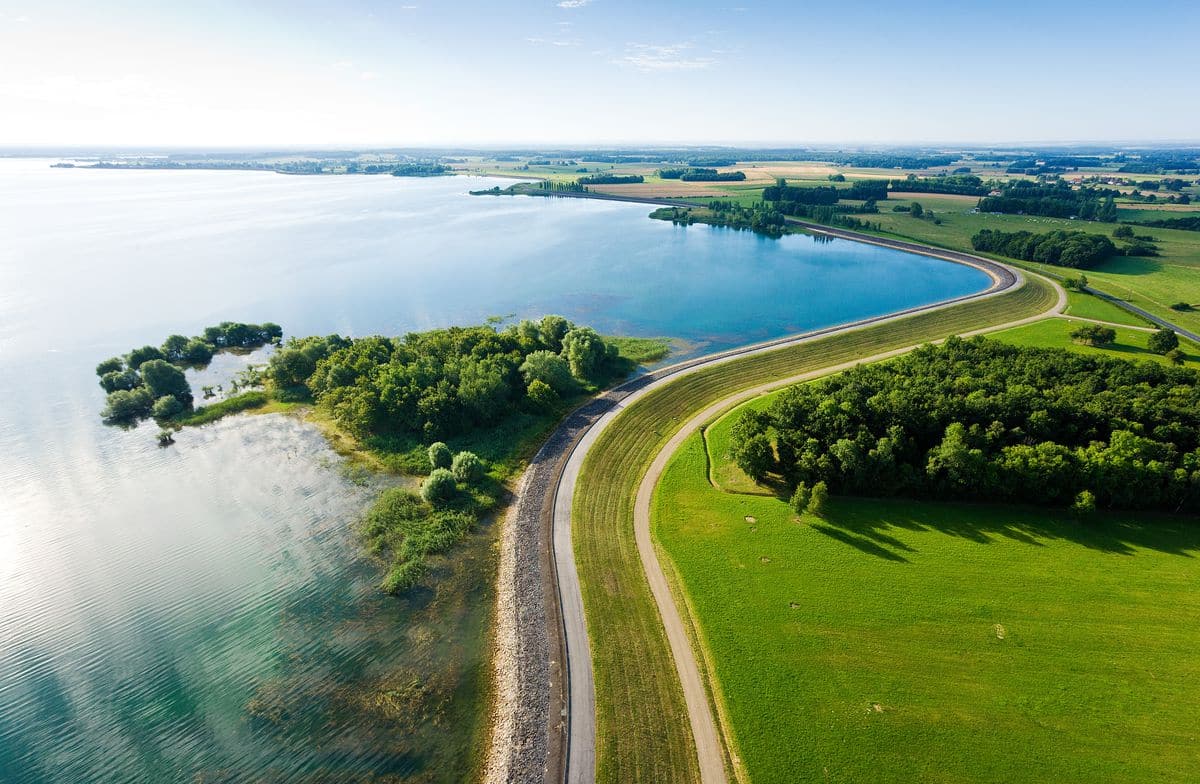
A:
x: 1130, y: 343
x: 230, y: 405
x: 642, y: 730
x: 642, y: 351
x: 896, y: 641
x: 1093, y: 307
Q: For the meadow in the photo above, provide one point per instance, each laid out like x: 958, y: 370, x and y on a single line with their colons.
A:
x: 642, y: 729
x: 901, y: 641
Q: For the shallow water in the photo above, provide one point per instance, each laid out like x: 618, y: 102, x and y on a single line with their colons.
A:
x: 201, y: 612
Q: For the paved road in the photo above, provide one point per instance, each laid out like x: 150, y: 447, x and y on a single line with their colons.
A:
x: 574, y: 740
x: 1153, y: 319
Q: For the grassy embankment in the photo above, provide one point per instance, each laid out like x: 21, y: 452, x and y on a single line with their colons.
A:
x: 903, y: 641
x: 642, y: 728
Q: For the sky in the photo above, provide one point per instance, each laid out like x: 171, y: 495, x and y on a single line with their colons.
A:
x: 363, y: 73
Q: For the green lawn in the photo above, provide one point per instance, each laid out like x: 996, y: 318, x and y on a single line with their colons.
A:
x: 914, y: 642
x: 1130, y: 343
x: 642, y: 733
x: 1093, y: 307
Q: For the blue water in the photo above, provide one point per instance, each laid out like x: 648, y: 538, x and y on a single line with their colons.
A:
x: 201, y: 612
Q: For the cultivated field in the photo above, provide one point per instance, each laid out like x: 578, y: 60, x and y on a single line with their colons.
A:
x: 642, y: 729
x: 896, y: 641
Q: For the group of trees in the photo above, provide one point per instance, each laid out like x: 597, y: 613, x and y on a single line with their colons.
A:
x: 611, y: 179
x: 701, y: 175
x: 984, y: 421
x: 1053, y: 200
x: 148, y: 382
x: 1074, y: 249
x: 420, y: 170
x: 438, y: 383
x: 965, y: 185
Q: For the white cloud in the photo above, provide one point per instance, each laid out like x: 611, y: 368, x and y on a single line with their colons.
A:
x: 367, y: 76
x: 573, y: 3
x: 655, y: 57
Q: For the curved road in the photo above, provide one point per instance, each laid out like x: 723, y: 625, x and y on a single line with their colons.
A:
x: 573, y: 736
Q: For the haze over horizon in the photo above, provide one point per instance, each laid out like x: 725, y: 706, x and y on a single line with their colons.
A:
x: 595, y: 72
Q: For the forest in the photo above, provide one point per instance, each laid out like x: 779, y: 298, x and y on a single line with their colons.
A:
x: 965, y: 185
x: 979, y: 420
x: 611, y: 179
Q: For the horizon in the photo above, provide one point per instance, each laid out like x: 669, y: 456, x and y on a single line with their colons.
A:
x: 583, y: 73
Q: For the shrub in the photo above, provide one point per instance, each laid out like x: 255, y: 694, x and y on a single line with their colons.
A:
x: 549, y: 368
x: 439, y: 486
x: 197, y: 352
x: 126, y: 405
x: 163, y: 378
x: 440, y: 456
x: 1162, y: 341
x: 541, y: 394
x: 143, y: 354
x: 1175, y: 356
x: 166, y: 407
x: 1182, y: 306
x: 1084, y: 504
x: 818, y: 499
x: 467, y: 467
x: 1123, y: 232
x: 120, y: 379
x: 109, y: 366
x: 801, y: 498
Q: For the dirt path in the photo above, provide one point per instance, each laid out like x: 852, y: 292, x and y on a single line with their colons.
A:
x: 704, y: 727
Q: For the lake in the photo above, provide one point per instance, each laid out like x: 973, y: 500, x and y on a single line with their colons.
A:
x: 201, y: 612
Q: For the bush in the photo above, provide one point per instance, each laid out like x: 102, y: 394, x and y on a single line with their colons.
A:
x: 120, y: 379
x: 1084, y: 504
x: 440, y: 456
x: 197, y: 352
x: 1182, y: 306
x: 1122, y: 232
x: 467, y: 467
x: 549, y: 368
x: 143, y: 354
x: 166, y: 407
x: 1162, y: 341
x: 801, y: 498
x: 819, y: 499
x: 126, y: 405
x: 1094, y: 335
x: 439, y: 487
x: 109, y: 366
x: 163, y: 378
x: 1175, y: 356
x: 542, y: 395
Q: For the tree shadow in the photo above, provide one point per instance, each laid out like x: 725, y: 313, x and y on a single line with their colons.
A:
x: 859, y: 542
x: 865, y: 522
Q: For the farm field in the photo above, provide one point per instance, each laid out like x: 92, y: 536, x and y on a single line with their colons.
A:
x: 902, y: 641
x: 1130, y: 343
x: 642, y: 729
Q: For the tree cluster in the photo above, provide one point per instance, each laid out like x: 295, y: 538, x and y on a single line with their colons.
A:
x: 1074, y: 249
x: 611, y: 179
x: 446, y: 381
x: 981, y: 420
x: 1053, y: 200
x: 964, y: 185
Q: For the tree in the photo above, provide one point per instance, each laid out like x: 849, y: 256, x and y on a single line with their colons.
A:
x: 439, y: 487
x: 143, y: 354
x: 163, y: 378
x: 1084, y: 504
x: 440, y: 455
x: 754, y: 455
x: 174, y: 347
x: 197, y: 352
x: 126, y: 405
x: 549, y: 368
x: 1162, y: 341
x: 1094, y: 335
x: 542, y: 395
x: 1175, y: 356
x: 917, y: 210
x: 166, y: 407
x: 801, y: 498
x: 467, y: 467
x: 818, y: 499
x: 584, y: 351
x: 553, y: 329
x: 1123, y: 232
x: 110, y: 366
x: 482, y: 388
x: 120, y: 379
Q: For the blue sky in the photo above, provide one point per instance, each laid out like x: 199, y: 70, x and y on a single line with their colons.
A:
x: 421, y: 72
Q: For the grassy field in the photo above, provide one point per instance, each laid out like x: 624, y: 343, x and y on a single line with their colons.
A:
x: 642, y: 729
x: 1130, y: 343
x: 909, y: 642
x: 1092, y: 307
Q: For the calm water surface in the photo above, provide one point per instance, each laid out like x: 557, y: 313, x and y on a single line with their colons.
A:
x: 201, y: 613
